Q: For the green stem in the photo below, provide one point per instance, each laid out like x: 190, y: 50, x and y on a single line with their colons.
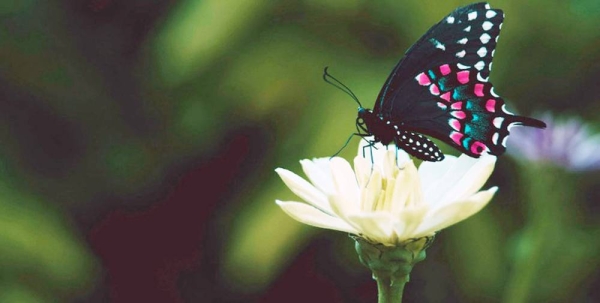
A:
x: 390, y: 291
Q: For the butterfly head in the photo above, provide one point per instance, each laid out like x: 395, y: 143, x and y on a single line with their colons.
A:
x: 365, y: 116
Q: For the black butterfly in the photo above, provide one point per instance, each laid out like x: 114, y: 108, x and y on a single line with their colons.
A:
x: 440, y: 88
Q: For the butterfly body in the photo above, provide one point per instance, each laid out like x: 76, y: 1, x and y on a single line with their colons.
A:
x: 441, y: 89
x: 387, y: 132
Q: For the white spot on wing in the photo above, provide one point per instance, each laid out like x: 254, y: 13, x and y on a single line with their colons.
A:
x: 462, y: 41
x: 504, y: 109
x: 467, y: 29
x: 487, y: 6
x: 498, y: 122
x: 482, y: 52
x: 461, y: 54
x: 490, y: 14
x: 485, y: 38
x: 462, y: 66
x: 490, y: 68
x: 493, y: 93
x: 480, y: 65
x: 438, y: 44
x: 493, y: 51
x: 487, y: 25
x: 495, y: 137
x: 482, y: 79
x: 504, y: 141
x: 472, y: 15
x: 450, y: 19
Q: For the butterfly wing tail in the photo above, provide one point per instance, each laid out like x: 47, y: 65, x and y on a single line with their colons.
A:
x: 527, y: 121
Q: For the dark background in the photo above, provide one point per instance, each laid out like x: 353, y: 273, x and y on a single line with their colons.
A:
x: 138, y: 142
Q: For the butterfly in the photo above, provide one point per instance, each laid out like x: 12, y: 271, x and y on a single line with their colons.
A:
x: 440, y: 88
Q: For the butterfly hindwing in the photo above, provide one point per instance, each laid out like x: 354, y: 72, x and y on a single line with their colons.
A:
x: 469, y: 116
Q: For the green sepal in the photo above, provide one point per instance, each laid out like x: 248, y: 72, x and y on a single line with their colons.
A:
x: 391, y: 265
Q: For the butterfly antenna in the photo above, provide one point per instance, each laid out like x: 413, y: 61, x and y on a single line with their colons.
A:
x: 339, y: 85
x: 346, y: 144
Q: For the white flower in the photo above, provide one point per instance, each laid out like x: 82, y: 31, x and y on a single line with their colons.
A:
x: 385, y: 199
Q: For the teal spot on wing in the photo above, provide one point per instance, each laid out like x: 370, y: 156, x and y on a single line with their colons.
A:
x: 469, y: 105
x: 442, y: 84
x: 466, y: 142
x: 431, y: 74
x: 468, y: 129
x: 459, y: 93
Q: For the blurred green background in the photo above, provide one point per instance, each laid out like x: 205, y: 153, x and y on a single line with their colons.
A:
x: 138, y: 142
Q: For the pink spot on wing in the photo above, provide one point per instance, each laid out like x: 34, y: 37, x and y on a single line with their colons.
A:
x: 478, y: 90
x: 456, y: 137
x: 445, y: 69
x: 423, y: 79
x: 463, y: 76
x: 455, y: 124
x: 459, y: 114
x: 490, y: 105
x: 446, y: 96
x: 456, y: 105
x: 442, y: 105
x: 478, y: 147
x: 434, y: 89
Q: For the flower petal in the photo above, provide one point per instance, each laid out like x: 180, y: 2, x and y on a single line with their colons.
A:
x: 363, y: 169
x: 319, y: 174
x: 433, y: 172
x: 371, y: 193
x: 463, y: 178
x: 374, y: 226
x: 409, y: 220
x: 403, y: 187
x: 452, y: 213
x: 344, y: 181
x: 309, y: 215
x: 342, y: 209
x: 304, y: 190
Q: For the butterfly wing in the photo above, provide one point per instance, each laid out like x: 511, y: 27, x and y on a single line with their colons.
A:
x: 467, y: 36
x: 463, y: 111
x: 440, y: 88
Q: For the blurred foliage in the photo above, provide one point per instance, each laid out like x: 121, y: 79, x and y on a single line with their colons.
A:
x: 106, y: 104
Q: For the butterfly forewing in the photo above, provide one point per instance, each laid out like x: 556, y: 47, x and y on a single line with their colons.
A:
x: 467, y: 36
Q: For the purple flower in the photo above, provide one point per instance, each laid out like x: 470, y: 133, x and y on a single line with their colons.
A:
x: 565, y: 142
